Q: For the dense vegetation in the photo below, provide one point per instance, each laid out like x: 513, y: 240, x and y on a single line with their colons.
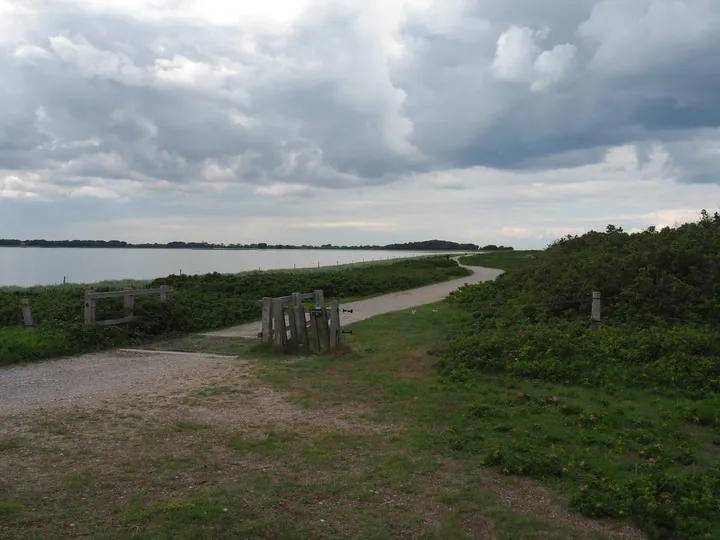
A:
x: 625, y: 418
x: 505, y: 259
x: 198, y: 303
x: 428, y: 245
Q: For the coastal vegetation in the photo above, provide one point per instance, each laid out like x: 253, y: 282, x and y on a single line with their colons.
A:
x: 197, y: 303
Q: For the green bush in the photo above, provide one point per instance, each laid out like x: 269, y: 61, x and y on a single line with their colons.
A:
x: 635, y: 430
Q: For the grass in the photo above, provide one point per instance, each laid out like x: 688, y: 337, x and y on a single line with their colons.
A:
x: 504, y: 260
x: 352, y: 446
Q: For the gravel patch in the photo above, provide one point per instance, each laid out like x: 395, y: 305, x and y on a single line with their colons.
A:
x: 92, y: 379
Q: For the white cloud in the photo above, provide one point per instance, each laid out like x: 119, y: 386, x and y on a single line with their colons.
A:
x: 519, y: 58
x: 399, y: 119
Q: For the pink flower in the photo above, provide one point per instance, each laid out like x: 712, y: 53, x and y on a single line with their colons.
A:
x: 555, y: 398
x: 519, y: 394
x: 537, y: 362
x: 651, y: 460
x: 510, y: 355
x: 479, y: 358
x: 520, y: 330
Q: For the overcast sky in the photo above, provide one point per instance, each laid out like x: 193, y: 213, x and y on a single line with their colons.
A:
x: 356, y: 122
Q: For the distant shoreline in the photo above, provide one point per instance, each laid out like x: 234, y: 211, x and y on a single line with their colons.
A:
x: 449, y: 250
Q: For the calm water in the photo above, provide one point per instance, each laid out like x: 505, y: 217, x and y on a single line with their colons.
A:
x: 48, y: 266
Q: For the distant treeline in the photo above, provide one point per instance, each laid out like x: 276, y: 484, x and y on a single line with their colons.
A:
x: 428, y: 245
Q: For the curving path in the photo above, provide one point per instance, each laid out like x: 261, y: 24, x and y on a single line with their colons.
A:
x: 364, y: 309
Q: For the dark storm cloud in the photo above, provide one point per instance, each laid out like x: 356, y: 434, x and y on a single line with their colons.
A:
x: 109, y: 96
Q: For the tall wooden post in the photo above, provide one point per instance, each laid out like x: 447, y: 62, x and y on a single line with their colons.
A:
x: 293, y: 342
x: 90, y: 308
x: 164, y: 293
x: 267, y: 320
x: 301, y: 328
x: 324, y: 331
x: 129, y: 303
x: 335, y: 329
x: 319, y: 299
x: 27, y: 314
x: 315, y: 333
x: 296, y: 299
x: 279, y: 330
x: 596, y: 312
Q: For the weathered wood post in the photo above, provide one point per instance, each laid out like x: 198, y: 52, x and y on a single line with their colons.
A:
x: 293, y: 343
x: 315, y: 333
x: 27, y: 314
x: 267, y: 320
x: 164, y: 293
x: 324, y: 330
x: 596, y: 312
x: 296, y: 299
x: 301, y: 328
x: 279, y: 330
x: 335, y: 329
x: 319, y: 299
x: 90, y: 307
x: 129, y: 303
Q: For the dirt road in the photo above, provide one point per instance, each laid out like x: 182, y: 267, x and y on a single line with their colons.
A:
x: 93, y: 379
x: 364, y: 309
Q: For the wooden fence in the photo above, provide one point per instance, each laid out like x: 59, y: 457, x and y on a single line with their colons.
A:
x: 128, y: 297
x: 286, y: 326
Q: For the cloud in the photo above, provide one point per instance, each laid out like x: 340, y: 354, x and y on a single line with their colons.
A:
x: 189, y: 107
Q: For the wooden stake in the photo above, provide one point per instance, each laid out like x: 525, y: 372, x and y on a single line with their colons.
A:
x: 315, y: 333
x: 301, y: 328
x: 279, y: 330
x: 324, y: 328
x: 293, y: 343
x: 335, y: 329
x: 267, y: 320
x: 27, y: 314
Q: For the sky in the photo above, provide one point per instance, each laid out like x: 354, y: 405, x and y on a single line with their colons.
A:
x: 348, y: 122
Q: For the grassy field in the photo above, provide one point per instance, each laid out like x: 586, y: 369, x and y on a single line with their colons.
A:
x: 361, y: 445
x: 504, y: 260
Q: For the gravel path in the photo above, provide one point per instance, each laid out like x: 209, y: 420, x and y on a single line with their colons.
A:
x: 364, y: 309
x: 93, y: 379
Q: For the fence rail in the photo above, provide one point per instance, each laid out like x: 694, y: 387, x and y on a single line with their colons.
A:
x: 128, y: 297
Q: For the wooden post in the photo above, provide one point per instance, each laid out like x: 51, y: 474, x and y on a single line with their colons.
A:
x: 301, y: 328
x: 164, y: 293
x: 335, y: 324
x: 267, y: 320
x: 129, y: 303
x: 296, y: 299
x: 27, y: 314
x: 293, y: 329
x: 90, y: 308
x: 319, y: 299
x: 315, y: 333
x: 279, y: 330
x: 596, y: 312
x: 324, y: 331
